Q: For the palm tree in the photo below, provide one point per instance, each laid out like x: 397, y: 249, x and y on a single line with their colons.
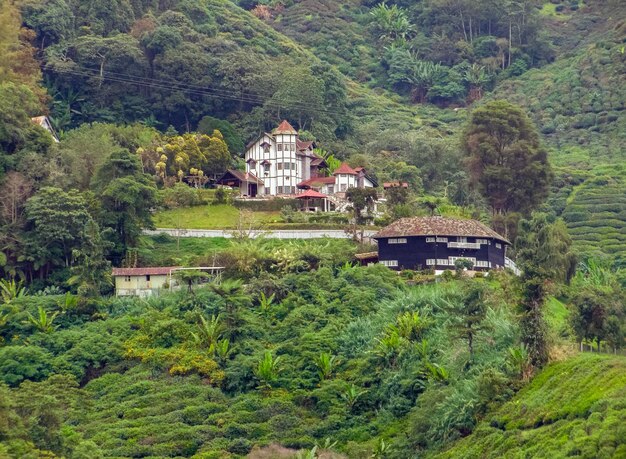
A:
x: 476, y: 77
x: 234, y: 297
x: 392, y: 23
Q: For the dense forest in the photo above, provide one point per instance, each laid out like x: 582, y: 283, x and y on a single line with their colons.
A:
x: 511, y: 113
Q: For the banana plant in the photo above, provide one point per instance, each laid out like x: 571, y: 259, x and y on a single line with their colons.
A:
x: 325, y: 363
x: 11, y: 290
x: 351, y: 395
x: 267, y: 370
x: 43, y: 322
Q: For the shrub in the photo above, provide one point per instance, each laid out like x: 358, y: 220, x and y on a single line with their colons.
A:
x: 20, y: 363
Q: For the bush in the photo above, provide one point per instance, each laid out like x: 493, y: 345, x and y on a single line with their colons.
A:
x: 20, y: 363
x: 180, y: 195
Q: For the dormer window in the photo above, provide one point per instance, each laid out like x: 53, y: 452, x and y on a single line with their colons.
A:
x: 252, y: 163
x: 266, y: 149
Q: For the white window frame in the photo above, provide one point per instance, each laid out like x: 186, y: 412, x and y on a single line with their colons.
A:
x: 390, y: 263
x: 462, y: 239
x: 482, y: 264
x: 498, y: 245
x: 279, y: 147
x: 430, y: 239
x: 127, y: 278
x: 430, y: 262
x: 399, y: 240
x: 442, y: 239
x: 482, y: 241
x: 443, y: 262
x: 279, y: 190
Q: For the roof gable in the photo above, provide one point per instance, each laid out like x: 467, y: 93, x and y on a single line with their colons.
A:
x: 284, y: 128
x: 345, y: 169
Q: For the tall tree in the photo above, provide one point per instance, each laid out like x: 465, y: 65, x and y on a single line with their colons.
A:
x: 543, y: 254
x: 127, y: 196
x: 505, y: 158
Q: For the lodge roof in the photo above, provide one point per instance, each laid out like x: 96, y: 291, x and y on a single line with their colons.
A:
x: 241, y: 176
x: 284, y: 128
x: 345, y: 169
x: 437, y: 226
x: 154, y: 271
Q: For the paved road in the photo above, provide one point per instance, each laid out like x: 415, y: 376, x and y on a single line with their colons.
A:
x: 278, y: 234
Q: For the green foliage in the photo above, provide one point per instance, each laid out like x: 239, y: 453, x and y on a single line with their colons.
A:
x: 580, y: 414
x: 506, y: 161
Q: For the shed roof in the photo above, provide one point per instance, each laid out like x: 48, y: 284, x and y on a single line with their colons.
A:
x: 241, y: 176
x: 154, y: 271
x: 438, y: 226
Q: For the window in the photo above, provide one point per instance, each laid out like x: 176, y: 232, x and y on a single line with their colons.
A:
x: 390, y: 263
x: 266, y: 167
x: 127, y: 278
x: 400, y: 240
x: 294, y: 167
x: 148, y: 277
x: 279, y: 147
x: 267, y: 190
x: 498, y: 245
x: 253, y: 164
x: 279, y: 190
x: 279, y: 166
x: 344, y: 187
x: 266, y: 149
x: 430, y: 262
x: 286, y: 166
x: 287, y: 189
x: 461, y: 239
x: 331, y: 189
x: 430, y: 239
x: 292, y: 146
x: 482, y: 241
x: 482, y: 264
x: 442, y: 239
x: 442, y: 262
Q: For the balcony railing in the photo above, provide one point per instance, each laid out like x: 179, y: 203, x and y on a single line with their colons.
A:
x: 463, y: 245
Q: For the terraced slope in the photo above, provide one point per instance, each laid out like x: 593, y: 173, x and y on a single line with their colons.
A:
x: 575, y: 408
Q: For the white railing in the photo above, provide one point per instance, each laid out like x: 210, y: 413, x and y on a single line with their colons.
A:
x: 508, y: 263
x: 463, y: 245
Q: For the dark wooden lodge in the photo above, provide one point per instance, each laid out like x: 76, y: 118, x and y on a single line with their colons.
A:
x: 437, y: 242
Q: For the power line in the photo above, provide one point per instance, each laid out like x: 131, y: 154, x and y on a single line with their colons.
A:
x: 188, y: 88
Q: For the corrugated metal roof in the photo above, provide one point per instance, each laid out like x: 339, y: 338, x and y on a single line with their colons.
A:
x: 154, y: 271
x: 437, y: 226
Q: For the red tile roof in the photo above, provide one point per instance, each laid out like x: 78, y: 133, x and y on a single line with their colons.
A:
x: 310, y: 194
x: 154, y: 271
x: 316, y: 181
x: 437, y: 226
x: 345, y: 169
x: 284, y: 128
x: 303, y: 145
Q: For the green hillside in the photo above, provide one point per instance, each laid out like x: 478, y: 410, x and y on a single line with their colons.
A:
x: 573, y: 408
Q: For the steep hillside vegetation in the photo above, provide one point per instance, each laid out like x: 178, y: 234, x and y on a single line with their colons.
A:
x: 574, y: 408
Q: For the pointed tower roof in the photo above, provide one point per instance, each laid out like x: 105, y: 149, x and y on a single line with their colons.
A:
x: 284, y: 128
x: 345, y: 169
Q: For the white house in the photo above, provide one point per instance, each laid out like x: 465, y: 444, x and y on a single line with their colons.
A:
x: 275, y: 164
x: 142, y: 281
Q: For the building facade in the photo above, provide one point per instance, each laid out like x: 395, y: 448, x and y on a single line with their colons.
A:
x: 280, y: 160
x: 142, y: 281
x: 437, y: 243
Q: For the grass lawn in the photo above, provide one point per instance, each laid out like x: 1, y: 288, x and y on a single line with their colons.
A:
x: 218, y: 216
